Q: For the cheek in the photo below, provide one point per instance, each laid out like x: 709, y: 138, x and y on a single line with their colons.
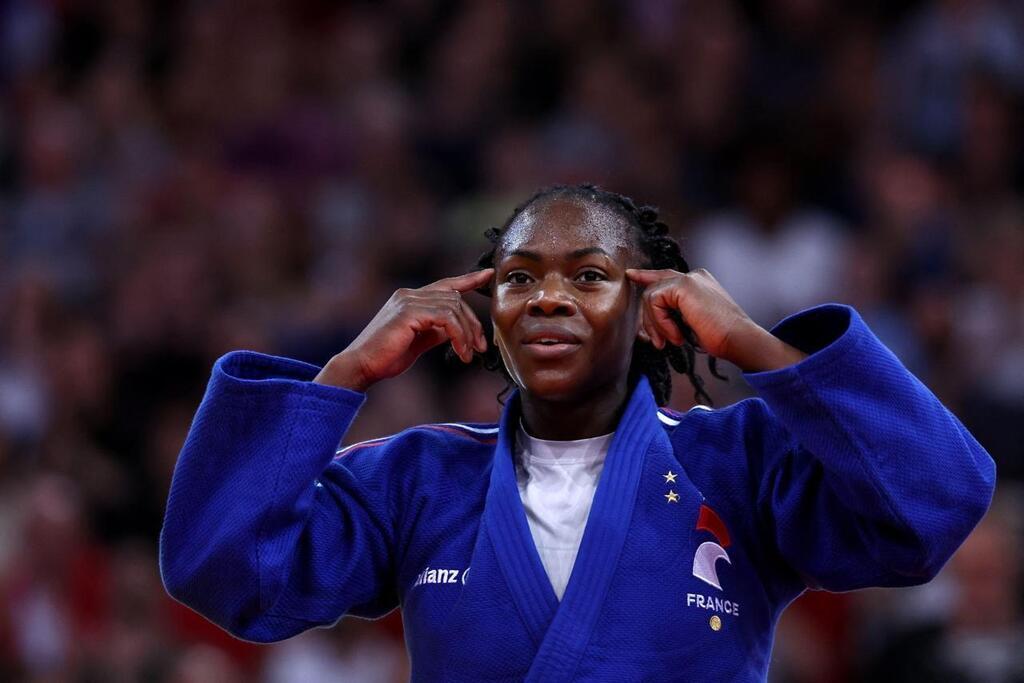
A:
x: 501, y: 316
x: 617, y: 321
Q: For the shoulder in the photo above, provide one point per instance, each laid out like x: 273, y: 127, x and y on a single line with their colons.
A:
x: 737, y: 419
x: 736, y: 442
x: 432, y: 447
x: 454, y: 435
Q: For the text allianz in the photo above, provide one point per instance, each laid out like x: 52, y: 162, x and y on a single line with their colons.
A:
x: 435, y: 575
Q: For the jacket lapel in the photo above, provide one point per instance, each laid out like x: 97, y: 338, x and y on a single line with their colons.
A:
x: 607, y: 526
x: 561, y: 631
x: 513, y: 544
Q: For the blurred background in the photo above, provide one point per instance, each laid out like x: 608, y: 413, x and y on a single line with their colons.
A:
x: 178, y: 179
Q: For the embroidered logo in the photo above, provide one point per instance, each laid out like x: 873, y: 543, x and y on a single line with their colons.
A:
x: 705, y: 568
x: 709, y: 552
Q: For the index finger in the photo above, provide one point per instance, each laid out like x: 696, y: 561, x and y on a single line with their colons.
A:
x: 644, y: 276
x: 463, y: 283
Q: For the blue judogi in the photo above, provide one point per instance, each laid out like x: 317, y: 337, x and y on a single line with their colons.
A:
x: 846, y: 472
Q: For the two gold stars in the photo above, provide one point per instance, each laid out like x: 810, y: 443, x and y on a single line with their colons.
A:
x: 670, y: 478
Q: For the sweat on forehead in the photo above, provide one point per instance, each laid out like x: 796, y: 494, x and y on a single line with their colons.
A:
x: 555, y: 221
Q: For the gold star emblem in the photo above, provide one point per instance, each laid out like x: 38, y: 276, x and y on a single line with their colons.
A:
x: 672, y: 496
x: 670, y: 478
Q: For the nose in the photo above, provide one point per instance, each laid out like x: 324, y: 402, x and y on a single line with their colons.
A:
x: 551, y: 299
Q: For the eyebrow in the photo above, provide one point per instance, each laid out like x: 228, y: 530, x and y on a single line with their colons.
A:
x: 579, y: 253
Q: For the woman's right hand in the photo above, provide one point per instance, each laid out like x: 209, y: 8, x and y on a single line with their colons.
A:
x: 411, y: 322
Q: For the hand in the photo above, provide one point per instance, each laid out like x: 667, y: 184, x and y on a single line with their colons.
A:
x: 411, y: 322
x: 720, y: 326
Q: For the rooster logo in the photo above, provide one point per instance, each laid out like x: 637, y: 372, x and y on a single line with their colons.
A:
x: 709, y: 552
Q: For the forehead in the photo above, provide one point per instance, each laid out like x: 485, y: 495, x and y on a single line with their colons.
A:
x: 560, y: 225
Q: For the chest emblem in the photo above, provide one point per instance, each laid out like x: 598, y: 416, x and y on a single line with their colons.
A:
x: 709, y: 552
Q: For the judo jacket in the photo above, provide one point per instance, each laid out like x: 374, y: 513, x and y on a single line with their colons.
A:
x: 844, y: 472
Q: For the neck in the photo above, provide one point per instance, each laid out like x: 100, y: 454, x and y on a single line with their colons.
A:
x: 571, y: 419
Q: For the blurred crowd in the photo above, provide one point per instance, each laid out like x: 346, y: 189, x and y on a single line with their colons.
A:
x: 178, y: 179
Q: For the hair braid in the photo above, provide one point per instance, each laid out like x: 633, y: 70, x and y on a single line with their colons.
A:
x: 661, y: 251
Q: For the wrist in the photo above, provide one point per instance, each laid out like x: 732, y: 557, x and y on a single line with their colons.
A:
x: 346, y: 372
x: 755, y: 349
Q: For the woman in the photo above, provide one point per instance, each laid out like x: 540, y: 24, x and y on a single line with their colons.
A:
x: 671, y: 542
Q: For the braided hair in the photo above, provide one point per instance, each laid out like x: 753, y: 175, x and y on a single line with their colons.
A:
x: 661, y: 251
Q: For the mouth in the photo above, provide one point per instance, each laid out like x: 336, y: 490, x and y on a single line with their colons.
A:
x: 549, y: 345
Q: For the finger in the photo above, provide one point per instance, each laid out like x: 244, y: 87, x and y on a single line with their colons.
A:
x: 475, y: 326
x: 470, y: 325
x: 652, y: 331
x: 461, y: 337
x: 449, y: 298
x: 463, y: 283
x: 659, y: 307
x: 657, y: 330
x: 667, y: 327
x: 645, y: 276
x: 444, y: 318
x: 433, y: 297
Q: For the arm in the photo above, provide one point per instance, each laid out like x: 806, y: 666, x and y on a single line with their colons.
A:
x: 868, y: 480
x: 265, y: 533
x: 250, y: 539
x: 875, y: 482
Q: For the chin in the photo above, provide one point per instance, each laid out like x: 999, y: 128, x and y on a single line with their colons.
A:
x: 553, y: 386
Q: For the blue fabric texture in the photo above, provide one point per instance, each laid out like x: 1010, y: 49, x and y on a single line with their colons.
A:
x: 845, y: 472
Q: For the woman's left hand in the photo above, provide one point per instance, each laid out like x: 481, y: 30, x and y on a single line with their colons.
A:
x: 721, y: 327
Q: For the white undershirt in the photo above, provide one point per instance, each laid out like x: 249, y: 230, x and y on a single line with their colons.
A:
x: 557, y: 480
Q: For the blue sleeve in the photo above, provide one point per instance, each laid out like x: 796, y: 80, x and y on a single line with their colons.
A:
x: 874, y: 482
x: 264, y: 533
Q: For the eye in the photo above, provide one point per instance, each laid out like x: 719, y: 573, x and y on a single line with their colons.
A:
x: 517, y: 277
x: 591, y: 275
